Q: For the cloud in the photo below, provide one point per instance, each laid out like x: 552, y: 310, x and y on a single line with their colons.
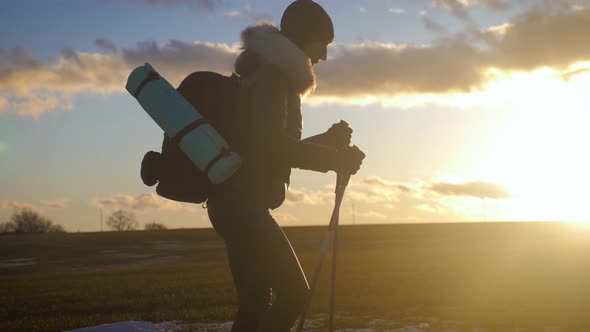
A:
x: 308, y: 197
x: 382, y: 199
x: 54, y: 204
x: 531, y: 41
x: 371, y: 190
x: 106, y: 45
x: 194, y: 4
x: 379, y: 182
x: 3, y: 104
x: 385, y: 200
x: 176, y: 59
x: 30, y: 87
x: 540, y: 38
x: 389, y: 70
x: 459, y: 8
x: 573, y: 73
x: 203, y: 3
x: 544, y: 39
x: 499, y: 30
x: 295, y: 196
x: 459, y: 201
x: 369, y: 215
x: 376, y: 191
x: 15, y: 205
x: 142, y: 202
x: 51, y: 204
x: 284, y: 218
x: 397, y: 11
x: 249, y: 15
x: 430, y: 24
x: 478, y: 189
x: 499, y: 5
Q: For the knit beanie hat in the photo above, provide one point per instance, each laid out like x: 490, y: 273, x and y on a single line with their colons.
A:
x: 306, y: 21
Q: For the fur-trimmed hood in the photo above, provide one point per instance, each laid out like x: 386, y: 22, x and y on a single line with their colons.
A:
x: 269, y: 43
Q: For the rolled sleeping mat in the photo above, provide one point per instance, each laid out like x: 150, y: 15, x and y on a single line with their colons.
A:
x: 201, y: 143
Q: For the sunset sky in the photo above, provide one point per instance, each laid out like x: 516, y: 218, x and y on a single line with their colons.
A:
x: 467, y: 110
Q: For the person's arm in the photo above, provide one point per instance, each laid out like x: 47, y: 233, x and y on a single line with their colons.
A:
x: 316, y: 139
x: 268, y: 97
x: 338, y: 135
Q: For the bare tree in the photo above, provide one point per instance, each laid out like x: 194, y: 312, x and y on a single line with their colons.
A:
x: 29, y: 221
x: 122, y: 220
x: 7, y: 227
x: 154, y: 226
x: 57, y: 228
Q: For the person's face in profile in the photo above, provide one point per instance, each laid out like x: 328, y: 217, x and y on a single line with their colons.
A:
x: 316, y: 51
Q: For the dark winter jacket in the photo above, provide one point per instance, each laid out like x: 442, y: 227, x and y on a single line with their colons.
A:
x: 275, y: 74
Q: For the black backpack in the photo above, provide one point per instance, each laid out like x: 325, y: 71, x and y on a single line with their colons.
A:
x: 216, y: 97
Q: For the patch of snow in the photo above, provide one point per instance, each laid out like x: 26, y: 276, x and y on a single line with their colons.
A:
x: 14, y: 262
x: 310, y: 326
x: 168, y: 245
x: 207, y: 327
x: 130, y: 326
x: 408, y: 329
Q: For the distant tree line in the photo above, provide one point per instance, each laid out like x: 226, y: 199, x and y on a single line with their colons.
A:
x: 154, y: 226
x: 122, y: 220
x: 27, y: 220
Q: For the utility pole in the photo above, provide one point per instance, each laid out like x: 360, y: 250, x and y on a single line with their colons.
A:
x: 353, y: 216
x: 101, y: 219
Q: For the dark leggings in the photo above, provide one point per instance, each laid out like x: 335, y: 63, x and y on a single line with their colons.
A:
x: 270, y: 283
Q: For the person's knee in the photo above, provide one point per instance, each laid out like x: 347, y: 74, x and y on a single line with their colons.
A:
x: 255, y: 303
x: 293, y: 299
x: 301, y: 299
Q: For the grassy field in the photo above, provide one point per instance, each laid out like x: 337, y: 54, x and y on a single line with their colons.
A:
x: 495, y: 276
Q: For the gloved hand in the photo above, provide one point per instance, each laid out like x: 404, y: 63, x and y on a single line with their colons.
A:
x: 348, y: 160
x: 150, y: 168
x: 338, y: 135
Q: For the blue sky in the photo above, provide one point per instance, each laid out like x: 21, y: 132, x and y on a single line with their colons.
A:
x: 455, y: 106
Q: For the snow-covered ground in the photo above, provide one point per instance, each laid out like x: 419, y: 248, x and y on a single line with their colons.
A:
x: 311, y: 326
x: 14, y: 262
x: 133, y: 326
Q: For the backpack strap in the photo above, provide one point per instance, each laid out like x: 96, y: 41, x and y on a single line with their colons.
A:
x: 224, y: 152
x: 242, y: 119
x: 187, y: 129
x: 153, y: 75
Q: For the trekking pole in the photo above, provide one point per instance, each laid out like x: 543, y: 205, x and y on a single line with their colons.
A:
x: 341, y: 183
x: 343, y: 180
